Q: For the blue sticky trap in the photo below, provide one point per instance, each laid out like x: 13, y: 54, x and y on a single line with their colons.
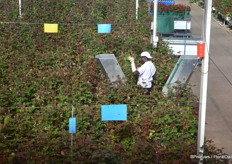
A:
x: 114, y: 112
x: 104, y: 28
x: 72, y: 125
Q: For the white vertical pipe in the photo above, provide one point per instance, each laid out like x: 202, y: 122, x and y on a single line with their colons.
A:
x: 137, y: 6
x: 72, y: 133
x: 20, y: 8
x: 72, y: 111
x: 155, y: 38
x: 204, y: 79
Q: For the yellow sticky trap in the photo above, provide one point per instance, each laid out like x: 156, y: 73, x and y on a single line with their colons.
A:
x: 51, y: 28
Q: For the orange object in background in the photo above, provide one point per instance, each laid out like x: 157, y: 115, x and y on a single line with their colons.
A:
x: 201, y: 50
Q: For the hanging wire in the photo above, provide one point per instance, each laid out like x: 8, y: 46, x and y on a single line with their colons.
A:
x: 71, y: 24
x: 223, y: 74
x: 98, y: 105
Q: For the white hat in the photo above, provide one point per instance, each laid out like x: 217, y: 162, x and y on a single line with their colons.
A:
x: 146, y: 54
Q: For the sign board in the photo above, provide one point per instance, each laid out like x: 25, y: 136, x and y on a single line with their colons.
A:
x: 182, y: 24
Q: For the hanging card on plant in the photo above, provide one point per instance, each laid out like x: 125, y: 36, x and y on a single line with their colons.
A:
x: 50, y: 28
x: 72, y: 125
x: 114, y: 112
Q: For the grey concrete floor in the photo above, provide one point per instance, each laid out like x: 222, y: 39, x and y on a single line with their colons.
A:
x: 219, y: 97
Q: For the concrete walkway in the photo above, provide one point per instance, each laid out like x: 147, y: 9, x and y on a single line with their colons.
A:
x: 219, y: 100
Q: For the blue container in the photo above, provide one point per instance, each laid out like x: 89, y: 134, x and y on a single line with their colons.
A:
x: 104, y: 28
x: 166, y: 2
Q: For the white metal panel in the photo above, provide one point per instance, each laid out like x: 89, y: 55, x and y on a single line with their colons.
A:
x: 152, y: 25
x: 183, y: 46
x: 182, y: 25
x: 179, y: 49
x: 179, y: 25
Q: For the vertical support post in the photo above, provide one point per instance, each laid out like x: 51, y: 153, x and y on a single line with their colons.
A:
x: 136, y: 8
x: 155, y: 38
x: 204, y: 79
x: 72, y: 133
x: 72, y: 137
x: 20, y: 8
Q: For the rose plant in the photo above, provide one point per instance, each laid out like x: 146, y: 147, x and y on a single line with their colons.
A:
x: 178, y: 8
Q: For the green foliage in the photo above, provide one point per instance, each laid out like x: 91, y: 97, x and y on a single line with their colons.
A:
x: 223, y: 7
x: 43, y: 75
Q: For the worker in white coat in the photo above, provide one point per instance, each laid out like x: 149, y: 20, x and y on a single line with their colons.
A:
x: 145, y: 72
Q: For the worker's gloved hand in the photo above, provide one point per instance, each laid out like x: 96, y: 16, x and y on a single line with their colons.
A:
x: 131, y: 59
x: 133, y: 67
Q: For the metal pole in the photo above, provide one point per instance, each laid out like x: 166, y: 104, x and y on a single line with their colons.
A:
x: 72, y: 137
x: 137, y: 6
x: 204, y: 79
x: 72, y: 133
x: 155, y: 38
x: 20, y: 8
